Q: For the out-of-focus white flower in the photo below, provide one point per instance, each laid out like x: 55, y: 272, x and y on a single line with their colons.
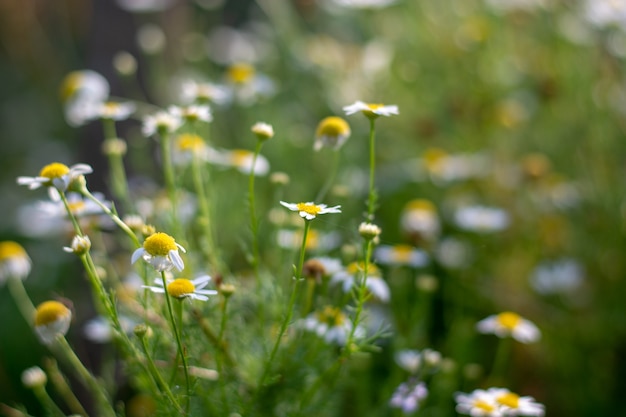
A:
x: 204, y: 92
x: 443, y: 167
x: 34, y: 377
x: 115, y: 110
x: 515, y: 5
x: 82, y: 92
x: 263, y: 131
x: 151, y: 38
x: 332, y: 132
x: 188, y: 146
x: 240, y: 159
x: 453, y: 253
x: 353, y: 274
x: 400, y: 255
x: 247, y: 84
x: 481, y: 219
x: 192, y: 113
x: 161, y: 251
x: 80, y: 245
x: 420, y: 220
x: 510, y: 324
x: 408, y: 395
x: 497, y: 402
x: 556, y: 277
x: 331, y: 324
x: 413, y: 361
x: 479, y: 403
x: 364, y: 4
x: 144, y: 6
x: 99, y: 329
x: 14, y: 261
x: 315, y: 240
x: 603, y: 13
x: 371, y: 111
x: 161, y: 121
x: 51, y: 319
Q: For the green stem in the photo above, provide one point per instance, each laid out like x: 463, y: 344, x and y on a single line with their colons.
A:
x: 163, y: 387
x: 179, y: 343
x: 22, y: 300
x: 501, y: 360
x: 170, y: 183
x: 218, y: 360
x: 362, y: 296
x: 371, y: 205
x: 48, y: 404
x: 254, y: 223
x: 308, y: 299
x: 62, y: 387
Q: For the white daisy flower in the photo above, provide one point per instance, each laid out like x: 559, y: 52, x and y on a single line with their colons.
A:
x: 371, y: 111
x: 510, y: 324
x: 400, y: 255
x: 82, y: 92
x: 332, y: 132
x: 240, y: 159
x: 181, y: 288
x: 161, y: 251
x: 514, y: 405
x: 56, y: 175
x: 14, y: 261
x: 187, y: 146
x: 331, y: 324
x: 481, y: 219
x: 160, y: 121
x: 51, y: 319
x: 408, y: 395
x: 479, y: 403
x: 192, y: 113
x: 115, y: 111
x: 352, y: 274
x: 419, y: 219
x: 247, y: 84
x: 310, y: 210
x: 204, y: 92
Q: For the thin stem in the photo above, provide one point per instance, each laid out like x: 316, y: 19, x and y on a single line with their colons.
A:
x: 500, y: 360
x: 22, y: 300
x: 62, y: 387
x: 218, y: 360
x: 170, y: 183
x: 66, y: 204
x: 212, y: 337
x: 371, y: 205
x: 362, y: 296
x: 179, y: 343
x: 163, y: 387
x: 48, y: 404
x: 254, y: 223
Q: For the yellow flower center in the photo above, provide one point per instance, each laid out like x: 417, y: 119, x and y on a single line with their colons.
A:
x: 402, y: 253
x: 240, y: 157
x: 509, y: 320
x: 433, y: 157
x: 312, y: 240
x: 110, y: 108
x: 71, y: 84
x: 333, y: 126
x: 76, y: 206
x: 309, y: 208
x: 420, y: 205
x: 54, y: 170
x: 484, y: 405
x: 49, y: 312
x: 371, y: 112
x: 356, y: 267
x: 159, y: 244
x: 10, y: 249
x: 331, y: 316
x: 509, y: 399
x: 180, y: 288
x: 240, y: 73
x: 189, y: 142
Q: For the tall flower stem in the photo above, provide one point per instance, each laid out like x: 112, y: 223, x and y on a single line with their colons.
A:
x: 21, y: 298
x: 218, y: 359
x: 179, y: 343
x: 361, y: 297
x: 292, y: 301
x: 254, y: 223
x: 48, y: 404
x: 62, y: 387
x: 371, y: 202
x: 170, y: 182
x: 117, y: 172
x: 500, y: 360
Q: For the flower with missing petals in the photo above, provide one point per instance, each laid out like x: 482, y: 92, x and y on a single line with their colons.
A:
x: 56, y: 175
x: 310, y: 210
x: 370, y: 110
x: 14, y: 261
x: 510, y: 324
x: 161, y: 251
x: 51, y: 319
x: 332, y: 132
x: 181, y: 288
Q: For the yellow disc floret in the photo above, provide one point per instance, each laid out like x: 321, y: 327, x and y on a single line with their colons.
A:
x: 420, y: 204
x: 509, y: 320
x: 483, y: 405
x: 188, y: 142
x: 10, y: 249
x: 240, y: 157
x: 356, y: 267
x: 509, y: 399
x: 333, y: 126
x: 331, y: 316
x: 180, y: 288
x: 54, y: 170
x: 49, y: 312
x: 159, y: 244
x: 402, y: 253
x: 372, y: 108
x: 309, y: 208
x: 240, y: 73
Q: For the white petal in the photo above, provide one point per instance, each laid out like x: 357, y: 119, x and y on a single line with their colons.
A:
x: 137, y: 254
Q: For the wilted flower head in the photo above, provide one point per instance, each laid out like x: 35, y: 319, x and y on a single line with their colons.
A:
x: 161, y: 251
x: 371, y: 111
x: 332, y: 132
x: 14, y: 261
x: 52, y: 318
x: 510, y: 324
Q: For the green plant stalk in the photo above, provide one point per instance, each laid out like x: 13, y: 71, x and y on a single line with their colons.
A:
x: 292, y: 301
x: 91, y: 383
x: 22, y: 300
x: 500, y: 360
x: 119, y: 182
x: 212, y: 251
x: 310, y: 293
x: 254, y: 223
x: 48, y: 404
x: 212, y: 337
x: 62, y: 387
x: 179, y: 342
x: 330, y: 179
x: 161, y: 384
x: 170, y: 183
x: 371, y: 204
x: 362, y: 296
x: 218, y: 360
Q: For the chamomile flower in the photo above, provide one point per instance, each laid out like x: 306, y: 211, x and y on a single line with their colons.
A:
x: 161, y: 251
x: 52, y: 318
x: 187, y: 146
x: 82, y: 92
x: 400, y: 255
x: 192, y: 113
x: 240, y: 159
x: 419, y: 220
x: 332, y: 132
x: 248, y: 85
x: 310, y: 210
x: 371, y: 111
x: 514, y: 405
x: 316, y: 240
x: 115, y: 110
x: 352, y: 274
x: 408, y: 395
x: 331, y: 324
x: 56, y: 176
x: 481, y: 219
x: 14, y: 261
x: 181, y: 288
x: 204, y: 92
x: 479, y: 403
x: 510, y: 324
x: 80, y: 245
x: 160, y: 122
